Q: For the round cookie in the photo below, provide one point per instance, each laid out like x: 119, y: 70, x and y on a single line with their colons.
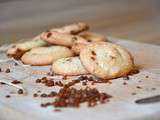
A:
x: 89, y: 37
x: 20, y: 48
x: 60, y: 38
x: 45, y: 55
x: 106, y: 60
x: 93, y: 37
x: 68, y: 66
x: 72, y: 28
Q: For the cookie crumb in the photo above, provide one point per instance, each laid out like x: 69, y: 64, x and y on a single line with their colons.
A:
x: 57, y: 110
x: 124, y: 83
x: 134, y: 93
x: 7, y: 70
x: 44, y: 95
x: 49, y: 83
x: 35, y: 95
x: 7, y: 96
x: 139, y: 87
x: 2, y: 83
x: 153, y: 88
x: 15, y: 64
x: 147, y: 76
x: 72, y: 97
x: 20, y: 91
x: 38, y: 81
x: 64, y: 77
x: 84, y: 83
x: 46, y: 104
x: 126, y: 78
x: 39, y: 91
x: 16, y: 82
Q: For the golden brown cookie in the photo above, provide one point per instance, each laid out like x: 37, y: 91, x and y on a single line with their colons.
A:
x: 60, y: 38
x: 89, y: 37
x: 45, y: 55
x: 106, y: 60
x: 72, y: 28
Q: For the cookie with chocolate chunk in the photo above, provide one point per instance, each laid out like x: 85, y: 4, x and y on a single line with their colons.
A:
x: 60, y: 38
x: 106, y: 60
x: 68, y: 66
x: 89, y: 37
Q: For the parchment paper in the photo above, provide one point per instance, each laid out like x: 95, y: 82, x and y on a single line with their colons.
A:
x: 120, y: 107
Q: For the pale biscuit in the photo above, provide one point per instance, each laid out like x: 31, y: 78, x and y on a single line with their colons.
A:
x: 45, y: 55
x: 19, y: 49
x: 72, y: 28
x: 106, y: 60
x: 68, y: 66
x: 89, y: 37
x: 61, y: 38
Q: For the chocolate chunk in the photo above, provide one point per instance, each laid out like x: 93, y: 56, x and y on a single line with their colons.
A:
x: 93, y: 53
x: 88, y: 40
x: 71, y: 97
x: 93, y: 58
x: 16, y: 82
x: 49, y: 34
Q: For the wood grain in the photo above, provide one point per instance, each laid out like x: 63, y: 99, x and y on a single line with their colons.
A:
x: 134, y: 20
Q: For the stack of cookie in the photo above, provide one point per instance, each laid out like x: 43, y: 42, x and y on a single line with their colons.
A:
x: 73, y: 50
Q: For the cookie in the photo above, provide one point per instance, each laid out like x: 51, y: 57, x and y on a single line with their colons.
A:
x: 93, y: 37
x: 45, y: 55
x: 106, y: 60
x: 89, y: 37
x: 61, y: 38
x: 19, y: 49
x: 68, y: 66
x: 72, y: 28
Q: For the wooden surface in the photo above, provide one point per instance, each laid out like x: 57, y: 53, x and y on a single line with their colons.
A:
x: 137, y: 20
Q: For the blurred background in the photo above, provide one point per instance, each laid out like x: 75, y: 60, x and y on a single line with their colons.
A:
x: 137, y: 20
